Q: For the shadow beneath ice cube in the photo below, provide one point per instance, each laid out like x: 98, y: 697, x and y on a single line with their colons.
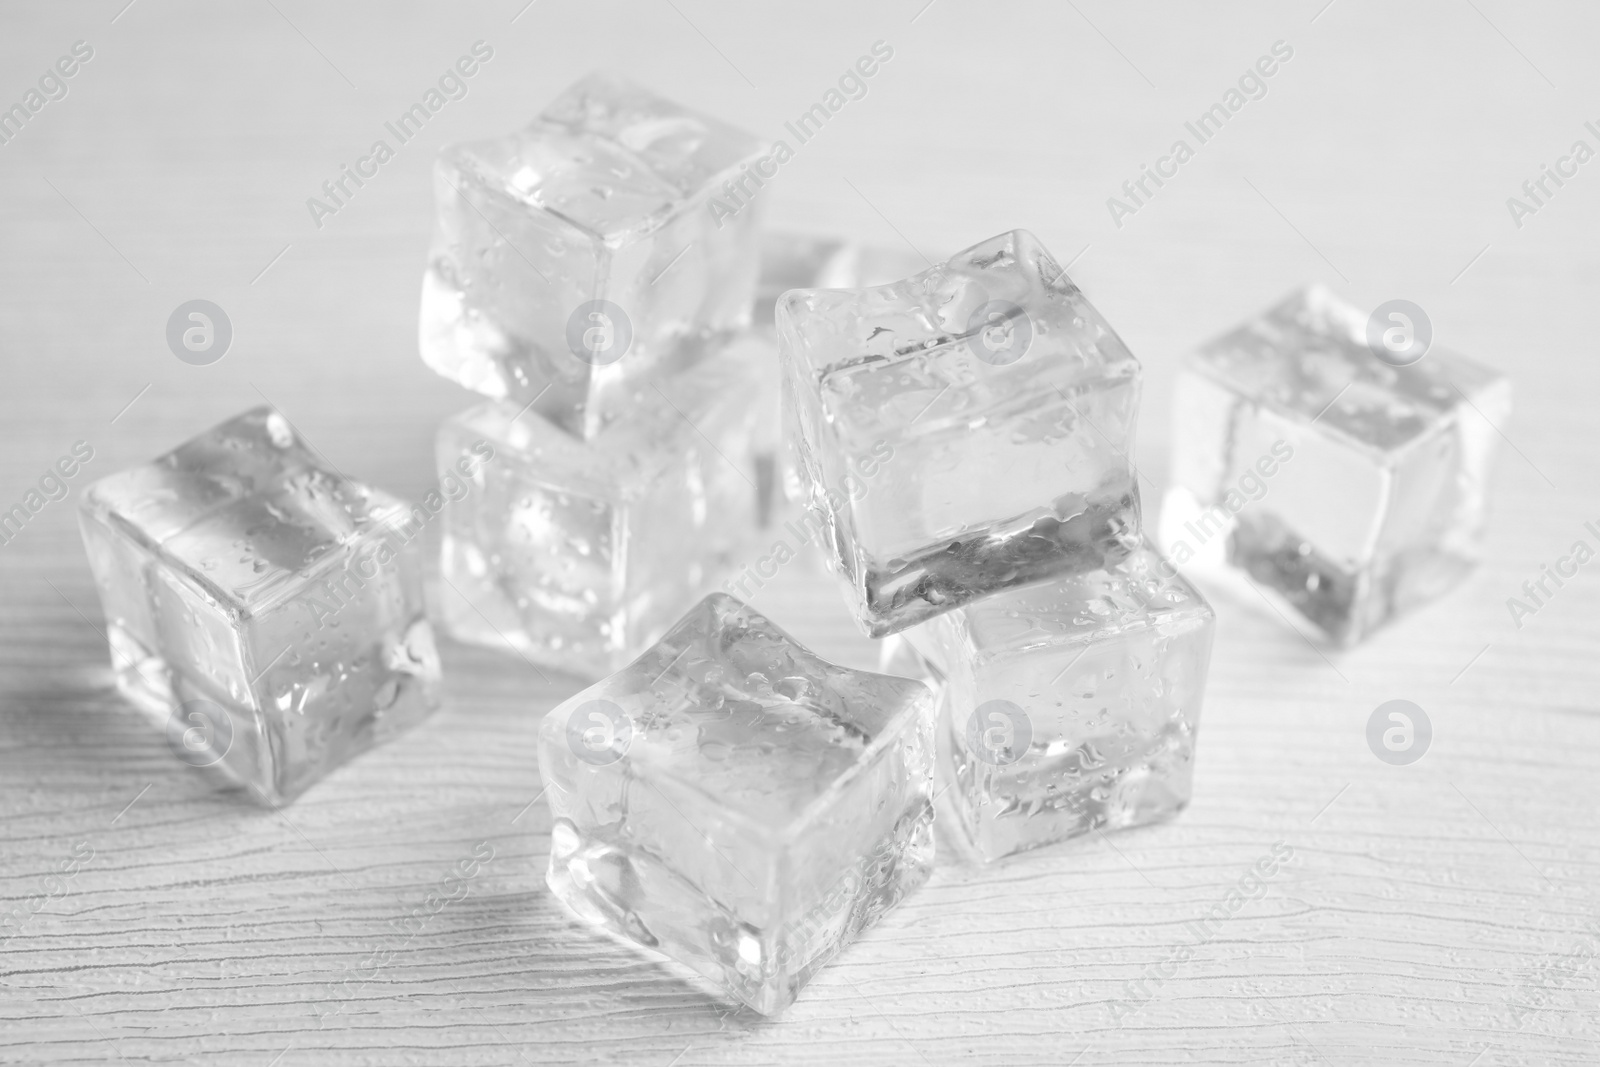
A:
x: 568, y: 960
x: 74, y: 722
x: 655, y: 983
x: 566, y: 965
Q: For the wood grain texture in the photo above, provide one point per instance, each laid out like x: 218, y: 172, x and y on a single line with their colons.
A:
x: 1443, y: 913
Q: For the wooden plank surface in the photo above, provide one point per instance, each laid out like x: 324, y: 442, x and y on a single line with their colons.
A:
x: 1441, y: 913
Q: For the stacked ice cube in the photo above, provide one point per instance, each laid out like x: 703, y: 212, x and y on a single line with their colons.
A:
x: 724, y: 796
x: 963, y: 437
x: 1003, y: 535
x: 580, y: 280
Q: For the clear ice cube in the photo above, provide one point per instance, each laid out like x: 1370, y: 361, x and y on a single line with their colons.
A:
x: 963, y: 431
x: 579, y: 554
x: 1344, y: 489
x: 738, y: 804
x: 577, y: 259
x: 1071, y: 705
x: 262, y: 603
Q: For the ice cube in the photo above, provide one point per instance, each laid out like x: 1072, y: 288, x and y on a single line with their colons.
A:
x: 1071, y: 705
x: 582, y: 553
x: 578, y: 258
x: 961, y: 432
x: 1340, y: 487
x: 738, y: 804
x: 263, y: 609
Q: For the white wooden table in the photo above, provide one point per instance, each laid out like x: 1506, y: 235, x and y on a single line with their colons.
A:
x: 1441, y: 913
